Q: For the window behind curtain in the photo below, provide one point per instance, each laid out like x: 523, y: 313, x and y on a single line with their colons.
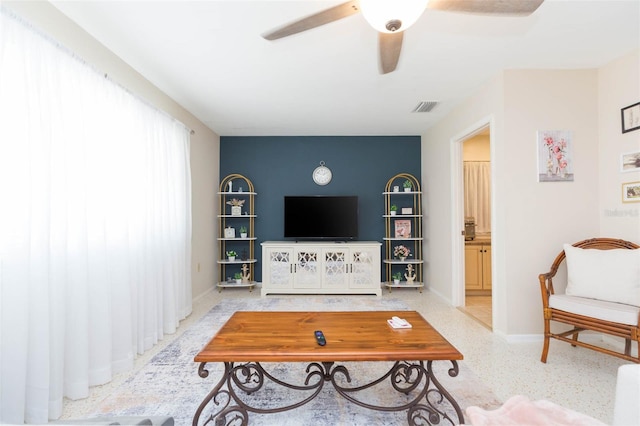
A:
x: 95, y: 225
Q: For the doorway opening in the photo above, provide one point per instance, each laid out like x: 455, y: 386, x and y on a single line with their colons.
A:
x: 474, y: 190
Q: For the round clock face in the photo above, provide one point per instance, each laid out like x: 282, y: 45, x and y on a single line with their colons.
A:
x: 322, y: 175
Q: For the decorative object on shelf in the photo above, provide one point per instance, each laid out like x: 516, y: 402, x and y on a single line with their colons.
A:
x: 403, y: 229
x: 322, y: 174
x: 630, y: 118
x: 631, y: 192
x: 410, y: 276
x: 396, y: 188
x: 393, y: 209
x: 407, y: 210
x: 407, y: 185
x: 246, y: 276
x: 236, y: 206
x: 243, y: 254
x: 555, y: 159
x: 401, y: 252
x: 231, y: 255
x: 240, y: 189
x: 243, y: 232
x: 238, y: 277
x: 229, y: 232
x: 396, y: 278
x: 230, y: 186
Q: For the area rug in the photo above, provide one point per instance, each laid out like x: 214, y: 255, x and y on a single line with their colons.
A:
x: 169, y: 385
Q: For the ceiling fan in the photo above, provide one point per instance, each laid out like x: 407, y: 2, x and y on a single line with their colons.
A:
x: 391, y: 22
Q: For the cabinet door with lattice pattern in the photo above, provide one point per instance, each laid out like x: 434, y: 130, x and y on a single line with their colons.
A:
x: 335, y: 268
x: 280, y: 267
x: 307, y: 268
x: 365, y: 267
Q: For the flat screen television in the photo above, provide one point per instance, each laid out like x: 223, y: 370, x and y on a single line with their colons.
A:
x: 321, y: 217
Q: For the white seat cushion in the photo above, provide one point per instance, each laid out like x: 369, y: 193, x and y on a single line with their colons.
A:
x: 608, y: 311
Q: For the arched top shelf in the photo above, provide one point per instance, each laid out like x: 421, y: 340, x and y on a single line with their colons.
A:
x: 400, y: 180
x: 245, y: 184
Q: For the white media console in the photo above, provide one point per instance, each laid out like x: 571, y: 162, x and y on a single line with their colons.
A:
x: 321, y: 267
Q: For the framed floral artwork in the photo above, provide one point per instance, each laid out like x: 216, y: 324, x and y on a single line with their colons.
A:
x: 555, y: 158
x: 403, y: 228
x: 631, y: 192
x: 630, y: 118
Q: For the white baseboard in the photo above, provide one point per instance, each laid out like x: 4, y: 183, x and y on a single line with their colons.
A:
x: 520, y: 338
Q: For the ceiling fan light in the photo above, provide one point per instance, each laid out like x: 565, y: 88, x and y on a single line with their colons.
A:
x: 388, y: 16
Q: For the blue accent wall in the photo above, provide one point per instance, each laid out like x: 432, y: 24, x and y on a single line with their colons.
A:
x: 279, y: 166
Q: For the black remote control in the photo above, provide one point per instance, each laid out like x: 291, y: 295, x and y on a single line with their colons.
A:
x: 320, y: 337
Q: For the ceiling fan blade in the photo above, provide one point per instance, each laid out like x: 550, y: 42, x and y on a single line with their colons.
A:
x: 321, y: 18
x: 390, y: 46
x: 497, y: 7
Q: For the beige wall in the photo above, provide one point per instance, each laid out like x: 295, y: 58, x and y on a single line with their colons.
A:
x: 618, y: 87
x: 204, y: 142
x: 539, y: 217
x: 543, y: 216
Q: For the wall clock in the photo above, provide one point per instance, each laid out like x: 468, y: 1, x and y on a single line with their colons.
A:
x: 322, y: 174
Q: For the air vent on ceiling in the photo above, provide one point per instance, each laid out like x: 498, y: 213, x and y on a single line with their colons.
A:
x: 425, y: 106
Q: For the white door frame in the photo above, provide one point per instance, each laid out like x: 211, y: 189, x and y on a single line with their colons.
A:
x: 457, y: 206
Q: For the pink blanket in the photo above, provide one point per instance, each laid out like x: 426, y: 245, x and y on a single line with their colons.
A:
x: 519, y: 410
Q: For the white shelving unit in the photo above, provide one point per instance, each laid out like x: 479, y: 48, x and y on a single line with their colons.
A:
x: 230, y: 221
x: 404, y: 227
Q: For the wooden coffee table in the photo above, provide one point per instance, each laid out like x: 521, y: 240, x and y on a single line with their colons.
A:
x: 248, y: 339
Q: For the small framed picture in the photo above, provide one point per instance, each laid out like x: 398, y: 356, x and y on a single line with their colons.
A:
x: 630, y: 162
x: 631, y: 192
x: 229, y: 232
x: 407, y: 210
x: 403, y: 228
x: 630, y: 118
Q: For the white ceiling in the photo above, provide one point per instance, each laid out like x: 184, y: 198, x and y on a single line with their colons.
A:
x: 210, y: 57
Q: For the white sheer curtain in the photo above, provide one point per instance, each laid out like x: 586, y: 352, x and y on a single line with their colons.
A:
x: 477, y: 193
x: 95, y: 226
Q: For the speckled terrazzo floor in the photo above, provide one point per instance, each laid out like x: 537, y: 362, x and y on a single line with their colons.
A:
x: 575, y: 378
